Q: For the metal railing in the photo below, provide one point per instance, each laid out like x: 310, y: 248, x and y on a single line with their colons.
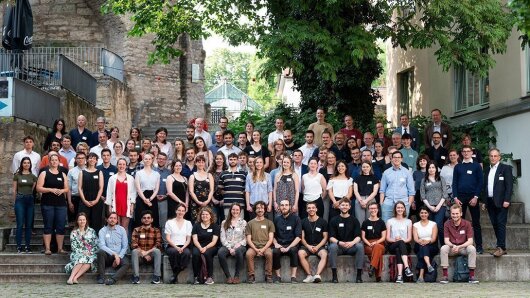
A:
x: 33, y: 104
x: 216, y: 114
x: 77, y: 80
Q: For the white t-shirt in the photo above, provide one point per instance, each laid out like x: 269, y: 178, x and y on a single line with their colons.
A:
x: 399, y: 228
x: 424, y: 232
x: 340, y: 187
x: 274, y: 136
x: 312, y: 187
x: 176, y: 234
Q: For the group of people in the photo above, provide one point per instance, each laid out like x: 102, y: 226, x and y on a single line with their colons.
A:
x: 248, y: 199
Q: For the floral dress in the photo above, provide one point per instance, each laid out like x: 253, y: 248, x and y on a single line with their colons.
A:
x: 84, y: 249
x: 285, y: 189
x: 201, y: 189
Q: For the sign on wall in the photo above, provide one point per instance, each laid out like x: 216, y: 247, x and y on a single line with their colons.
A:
x: 6, y: 97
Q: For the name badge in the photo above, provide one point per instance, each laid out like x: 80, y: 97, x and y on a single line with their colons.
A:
x: 164, y: 180
x: 318, y: 229
x: 469, y: 172
x: 369, y: 227
x: 111, y: 173
x: 414, y: 139
x: 289, y: 179
x: 107, y: 235
x: 401, y: 179
x: 289, y: 228
x: 238, y: 229
x: 462, y: 232
x: 59, y: 179
x: 500, y: 178
x: 84, y: 138
x: 207, y: 180
x: 238, y: 179
x: 61, y: 164
x: 369, y: 182
x: 428, y: 184
x: 373, y: 160
x: 442, y: 157
x: 95, y: 176
x: 263, y: 226
x: 341, y: 225
x: 25, y: 181
x: 142, y: 236
x: 251, y: 152
x: 411, y: 156
x: 474, y: 155
x: 209, y: 230
x: 445, y: 136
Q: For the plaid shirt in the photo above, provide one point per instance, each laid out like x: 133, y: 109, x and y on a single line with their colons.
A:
x: 146, y: 238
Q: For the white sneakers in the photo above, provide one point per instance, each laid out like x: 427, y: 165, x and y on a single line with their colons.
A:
x: 309, y: 279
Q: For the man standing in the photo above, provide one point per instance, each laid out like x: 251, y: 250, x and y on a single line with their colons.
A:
x: 498, y: 187
x: 320, y: 126
x: 314, y: 239
x: 80, y: 133
x: 190, y: 136
x: 229, y: 147
x: 73, y: 181
x: 366, y: 156
x: 340, y: 142
x: 458, y: 239
x: 327, y: 142
x: 112, y: 249
x: 146, y: 243
x: 219, y: 142
x: 288, y: 234
x: 107, y: 169
x: 381, y: 135
x: 477, y: 156
x: 396, y: 185
x: 300, y: 169
x: 275, y: 135
x: 345, y: 239
x: 369, y: 142
x: 396, y: 140
x: 164, y: 172
x: 100, y: 127
x: 354, y: 167
x: 66, y: 149
x: 27, y: 152
x: 467, y: 185
x: 350, y: 131
x: 232, y: 186
x: 260, y: 234
x: 102, y: 137
x: 437, y: 152
x: 290, y: 144
x: 438, y: 126
x: 189, y: 167
x: 309, y: 147
x: 406, y: 128
x: 242, y: 141
x: 134, y: 166
x: 199, y: 131
x: 409, y: 155
x: 55, y: 146
x: 223, y: 124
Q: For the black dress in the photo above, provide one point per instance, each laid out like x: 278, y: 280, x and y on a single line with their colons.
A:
x: 179, y: 189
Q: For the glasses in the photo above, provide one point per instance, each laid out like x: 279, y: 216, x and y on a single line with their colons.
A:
x: 146, y: 217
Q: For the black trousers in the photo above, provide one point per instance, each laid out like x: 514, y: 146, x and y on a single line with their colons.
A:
x: 178, y: 261
x: 277, y: 257
x: 399, y: 249
x: 106, y: 260
x: 141, y: 207
x: 196, y: 260
x: 94, y: 214
x: 239, y: 256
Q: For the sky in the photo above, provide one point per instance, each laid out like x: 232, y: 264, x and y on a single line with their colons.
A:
x: 216, y: 42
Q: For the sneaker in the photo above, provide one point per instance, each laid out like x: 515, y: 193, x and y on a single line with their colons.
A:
x: 430, y: 269
x: 111, y: 281
x: 209, y: 281
x: 444, y: 280
x: 173, y: 280
x: 251, y: 279
x: 359, y: 280
x: 294, y: 280
x: 408, y: 272
x: 28, y: 250
x: 371, y: 271
x: 480, y: 251
x: 309, y: 279
x: 19, y: 249
x: 100, y: 280
x: 135, y: 279
x: 334, y: 280
x: 317, y: 278
x: 196, y: 281
x: 473, y: 280
x: 420, y: 280
x: 269, y: 279
x: 276, y: 279
x: 155, y: 280
x: 399, y: 279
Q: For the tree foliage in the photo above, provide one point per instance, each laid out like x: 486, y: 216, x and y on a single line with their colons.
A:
x: 226, y: 64
x: 521, y: 9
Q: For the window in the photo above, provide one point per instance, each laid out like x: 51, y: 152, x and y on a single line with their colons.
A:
x: 471, y: 91
x: 405, y: 91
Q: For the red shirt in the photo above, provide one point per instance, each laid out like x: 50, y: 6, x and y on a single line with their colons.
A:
x: 458, y: 234
x: 355, y: 133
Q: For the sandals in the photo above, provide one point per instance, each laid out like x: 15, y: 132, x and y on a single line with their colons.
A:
x: 62, y: 252
x: 48, y: 252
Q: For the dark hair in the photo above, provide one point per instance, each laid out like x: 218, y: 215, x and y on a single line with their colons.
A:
x: 354, y: 142
x: 309, y: 131
x: 200, y: 158
x: 67, y: 136
x: 259, y: 203
x: 228, y: 132
x: 54, y: 128
x: 313, y: 158
x: 106, y: 150
x: 436, y: 174
x: 397, y: 152
x: 161, y: 129
x: 204, y: 148
x: 213, y: 166
x: 436, y: 110
x: 395, y: 208
x: 76, y: 225
x: 92, y: 154
x: 139, y: 133
x: 347, y: 173
x: 213, y: 218
x: 80, y: 153
x: 406, y: 136
x: 420, y: 157
x: 173, y: 163
x: 311, y: 203
x: 111, y: 213
x: 190, y: 126
x: 228, y: 220
x: 146, y: 212
x: 162, y: 154
x: 344, y: 200
x: 28, y: 138
x: 20, y: 169
x: 133, y: 151
x: 232, y: 155
x: 424, y: 208
x: 436, y: 132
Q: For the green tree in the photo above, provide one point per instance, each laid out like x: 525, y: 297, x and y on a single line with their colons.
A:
x: 262, y: 88
x: 226, y: 64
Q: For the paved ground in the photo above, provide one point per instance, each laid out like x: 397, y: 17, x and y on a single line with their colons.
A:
x: 496, y: 289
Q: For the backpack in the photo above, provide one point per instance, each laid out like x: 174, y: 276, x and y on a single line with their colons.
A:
x: 431, y: 276
x: 392, y: 269
x: 203, y: 273
x: 461, y: 273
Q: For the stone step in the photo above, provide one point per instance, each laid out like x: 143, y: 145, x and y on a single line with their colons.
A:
x: 59, y: 278
x: 517, y: 237
x: 36, y: 239
x: 174, y: 130
x: 36, y: 248
x: 35, y: 258
x: 38, y: 229
x: 48, y: 268
x: 515, y: 214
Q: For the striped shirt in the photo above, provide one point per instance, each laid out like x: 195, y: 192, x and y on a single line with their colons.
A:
x: 232, y: 186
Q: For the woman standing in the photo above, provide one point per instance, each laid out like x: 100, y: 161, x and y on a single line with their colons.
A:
x: 179, y: 153
x: 114, y: 137
x: 373, y: 235
x: 313, y: 188
x: 418, y: 176
x: 201, y: 188
x: 83, y: 257
x: 216, y: 169
x: 425, y: 238
x: 398, y: 239
x: 322, y: 159
x: 257, y: 149
x: 59, y: 130
x: 433, y: 192
x: 90, y: 185
x: 118, y: 153
x: 339, y: 186
x: 178, y: 237
x: 23, y: 185
x: 286, y: 186
x: 278, y: 149
x: 53, y: 185
x: 234, y: 243
x: 177, y: 189
x: 258, y: 187
x: 147, y: 183
x: 121, y: 194
x: 365, y: 189
x: 329, y: 170
x: 146, y: 147
x: 136, y: 135
x: 380, y: 154
x: 205, y: 234
x: 447, y: 172
x: 202, y: 150
x: 249, y: 130
x: 162, y: 143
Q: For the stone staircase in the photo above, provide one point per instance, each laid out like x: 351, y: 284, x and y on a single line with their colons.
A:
x: 38, y: 268
x: 174, y: 130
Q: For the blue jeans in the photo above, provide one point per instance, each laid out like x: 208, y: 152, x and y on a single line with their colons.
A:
x: 24, y: 205
x: 54, y: 218
x: 387, y: 209
x: 438, y: 218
